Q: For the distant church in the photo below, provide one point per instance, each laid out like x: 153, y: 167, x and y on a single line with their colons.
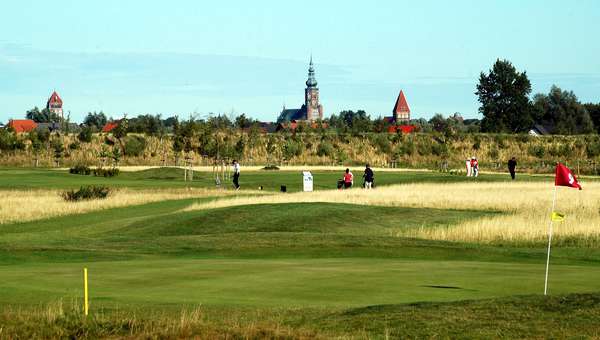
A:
x: 401, y: 112
x: 312, y: 110
x: 55, y: 105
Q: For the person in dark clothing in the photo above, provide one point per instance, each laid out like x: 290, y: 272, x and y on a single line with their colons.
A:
x: 368, y: 176
x: 236, y: 174
x: 512, y: 166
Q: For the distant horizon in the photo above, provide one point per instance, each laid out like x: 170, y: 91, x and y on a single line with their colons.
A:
x: 253, y: 58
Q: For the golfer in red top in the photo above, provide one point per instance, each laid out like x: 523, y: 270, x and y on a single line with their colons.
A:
x: 348, y: 179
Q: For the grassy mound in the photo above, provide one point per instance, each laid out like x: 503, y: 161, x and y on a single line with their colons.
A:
x: 515, y: 317
x: 159, y: 174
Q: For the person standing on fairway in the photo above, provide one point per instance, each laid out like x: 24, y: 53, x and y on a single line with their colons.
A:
x: 236, y: 174
x: 368, y: 176
x: 474, y: 166
x: 348, y: 179
x: 512, y: 166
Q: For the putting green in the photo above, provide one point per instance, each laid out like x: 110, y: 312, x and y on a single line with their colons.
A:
x: 286, y: 283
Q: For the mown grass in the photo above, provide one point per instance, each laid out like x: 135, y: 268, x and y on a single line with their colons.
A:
x: 283, y: 270
x: 269, y: 255
x: 270, y: 180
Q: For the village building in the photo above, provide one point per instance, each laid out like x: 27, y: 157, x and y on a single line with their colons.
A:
x: 401, y: 110
x: 59, y: 127
x: 312, y: 110
x: 108, y: 127
x: 22, y: 125
x: 400, y: 119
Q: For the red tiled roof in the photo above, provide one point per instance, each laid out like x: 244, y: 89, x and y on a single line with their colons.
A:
x: 22, y: 125
x: 54, y: 100
x: 404, y: 128
x: 401, y: 104
x: 110, y: 126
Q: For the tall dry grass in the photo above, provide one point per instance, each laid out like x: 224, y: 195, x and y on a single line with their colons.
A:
x: 31, y: 205
x: 338, y: 168
x: 65, y: 321
x: 525, y: 209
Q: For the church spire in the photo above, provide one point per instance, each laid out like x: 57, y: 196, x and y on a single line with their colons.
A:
x: 312, y: 81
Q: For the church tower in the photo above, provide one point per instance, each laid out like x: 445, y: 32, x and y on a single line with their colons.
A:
x: 401, y: 110
x: 55, y: 104
x: 314, y: 110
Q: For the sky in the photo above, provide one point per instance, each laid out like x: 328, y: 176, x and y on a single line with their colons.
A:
x: 197, y: 57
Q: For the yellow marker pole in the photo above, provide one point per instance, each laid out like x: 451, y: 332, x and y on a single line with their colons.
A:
x: 85, y: 292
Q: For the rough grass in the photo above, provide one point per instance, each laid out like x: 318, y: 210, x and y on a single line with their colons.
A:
x: 32, y: 205
x: 526, y: 317
x: 234, y: 269
x: 525, y: 205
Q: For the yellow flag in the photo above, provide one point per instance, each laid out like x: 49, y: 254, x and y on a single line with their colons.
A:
x: 557, y: 217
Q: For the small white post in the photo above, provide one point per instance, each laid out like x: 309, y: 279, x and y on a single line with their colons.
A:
x: 549, y: 242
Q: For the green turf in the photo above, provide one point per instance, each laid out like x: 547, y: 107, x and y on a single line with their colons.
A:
x: 287, y: 255
x: 324, y: 268
x: 269, y: 180
x: 289, y: 283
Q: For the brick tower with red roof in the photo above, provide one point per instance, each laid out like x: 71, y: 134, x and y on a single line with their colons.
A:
x: 401, y: 110
x: 55, y: 104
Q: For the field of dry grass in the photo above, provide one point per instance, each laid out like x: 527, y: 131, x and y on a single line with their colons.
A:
x: 338, y: 168
x: 42, y: 204
x: 525, y: 209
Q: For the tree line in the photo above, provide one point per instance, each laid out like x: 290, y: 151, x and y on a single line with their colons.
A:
x: 506, y: 105
x: 504, y: 93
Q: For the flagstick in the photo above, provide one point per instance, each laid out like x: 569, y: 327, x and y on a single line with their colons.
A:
x: 549, y: 242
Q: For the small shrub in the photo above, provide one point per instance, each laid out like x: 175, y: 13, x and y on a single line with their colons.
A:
x: 59, y: 148
x: 134, y: 146
x: 86, y: 193
x: 292, y: 149
x: 271, y: 167
x: 494, y: 153
x: 552, y: 150
x: 566, y: 150
x: 501, y: 141
x: 439, y: 149
x: 101, y: 172
x: 74, y: 146
x: 80, y: 170
x: 85, y: 136
x: 383, y: 143
x: 7, y: 140
x: 424, y: 149
x: 407, y: 148
x: 592, y: 149
x: 523, y: 138
x: 477, y: 143
x: 537, y: 151
x: 325, y: 149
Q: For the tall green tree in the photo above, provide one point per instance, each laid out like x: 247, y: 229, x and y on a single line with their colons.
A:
x: 563, y: 111
x: 594, y: 111
x: 504, y: 97
x: 243, y: 122
x: 95, y: 120
x: 42, y: 116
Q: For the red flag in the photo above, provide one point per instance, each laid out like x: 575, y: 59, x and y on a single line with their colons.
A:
x: 565, y: 178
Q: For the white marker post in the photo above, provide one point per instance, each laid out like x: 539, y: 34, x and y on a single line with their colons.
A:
x: 549, y: 242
